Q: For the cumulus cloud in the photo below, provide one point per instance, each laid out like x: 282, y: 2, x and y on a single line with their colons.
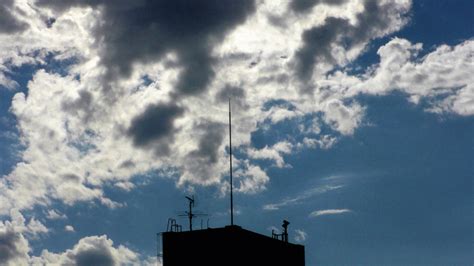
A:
x: 137, y: 92
x: 325, y: 142
x: 273, y: 153
x: 69, y: 228
x: 93, y: 250
x: 328, y: 212
x: 322, y: 45
x: 250, y: 178
x: 6, y: 82
x: 15, y: 249
x: 33, y: 228
x: 190, y: 30
x: 300, y: 235
x: 442, y: 76
x: 54, y: 215
x: 83, y: 110
x: 13, y: 246
x: 14, y: 234
x: 343, y: 118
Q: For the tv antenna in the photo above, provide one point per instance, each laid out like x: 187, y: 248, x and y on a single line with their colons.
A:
x: 230, y: 168
x: 190, y: 213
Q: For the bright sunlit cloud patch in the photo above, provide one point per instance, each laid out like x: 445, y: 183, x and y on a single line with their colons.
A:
x: 328, y: 212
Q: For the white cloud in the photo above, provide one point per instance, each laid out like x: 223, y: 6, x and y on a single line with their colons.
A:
x: 278, y: 114
x: 325, y: 142
x: 460, y: 102
x: 14, y: 235
x: 69, y: 228
x: 300, y: 235
x: 33, y: 228
x: 344, y: 119
x: 443, y: 76
x: 273, y: 153
x: 127, y: 186
x: 14, y: 247
x: 301, y: 197
x: 250, y: 178
x: 328, y: 212
x: 93, y: 250
x: 36, y: 228
x: 54, y: 215
x: 7, y: 82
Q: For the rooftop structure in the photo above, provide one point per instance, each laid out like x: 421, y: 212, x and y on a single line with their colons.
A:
x: 230, y: 245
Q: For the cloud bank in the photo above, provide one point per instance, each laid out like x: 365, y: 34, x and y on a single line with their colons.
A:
x: 93, y: 250
x: 136, y: 93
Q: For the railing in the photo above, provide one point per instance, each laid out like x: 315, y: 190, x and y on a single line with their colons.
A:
x: 173, y: 226
x: 283, y: 236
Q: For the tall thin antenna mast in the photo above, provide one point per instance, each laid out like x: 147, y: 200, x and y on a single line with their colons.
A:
x: 230, y: 164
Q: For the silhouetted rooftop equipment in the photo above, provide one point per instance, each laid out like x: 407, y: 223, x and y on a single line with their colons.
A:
x: 283, y: 236
x: 172, y: 226
x: 190, y: 213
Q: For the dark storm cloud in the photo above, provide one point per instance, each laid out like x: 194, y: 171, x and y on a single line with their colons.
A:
x: 306, y: 5
x: 229, y: 91
x: 144, y: 31
x: 374, y: 19
x: 278, y: 78
x: 197, y: 72
x: 236, y: 94
x: 8, y: 246
x: 319, y: 41
x: 317, y: 45
x: 209, y: 142
x: 201, y: 161
x: 154, y: 128
x: 71, y: 178
x: 8, y: 23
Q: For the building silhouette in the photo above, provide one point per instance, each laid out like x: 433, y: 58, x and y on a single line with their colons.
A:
x: 230, y: 245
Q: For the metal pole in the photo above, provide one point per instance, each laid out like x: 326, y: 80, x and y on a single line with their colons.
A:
x: 190, y: 216
x: 230, y: 161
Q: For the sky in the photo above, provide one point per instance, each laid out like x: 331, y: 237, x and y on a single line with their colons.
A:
x: 352, y: 119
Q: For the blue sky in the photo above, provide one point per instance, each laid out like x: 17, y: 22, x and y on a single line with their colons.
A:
x: 354, y: 120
